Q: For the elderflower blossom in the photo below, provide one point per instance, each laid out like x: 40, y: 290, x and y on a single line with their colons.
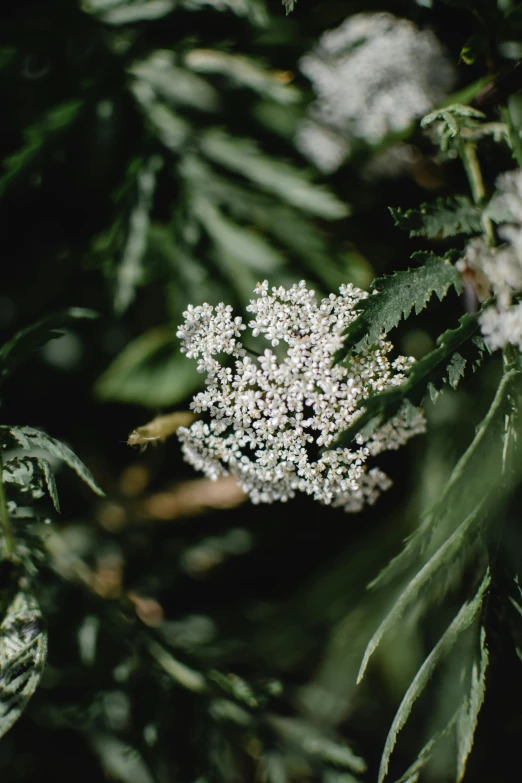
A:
x: 274, y: 418
x: 373, y: 75
x: 498, y: 271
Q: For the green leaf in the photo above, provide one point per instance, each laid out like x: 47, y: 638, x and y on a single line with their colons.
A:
x: 48, y: 129
x: 236, y: 687
x: 475, y: 47
x: 177, y: 86
x: 242, y: 254
x: 118, y: 12
x: 130, y: 270
x: 468, y: 714
x: 480, y: 482
x: 32, y: 473
x: 284, y: 223
x: 169, y: 127
x: 456, y: 116
x: 511, y: 114
x: 19, y: 348
x: 307, y: 738
x: 442, y: 558
x: 445, y: 217
x: 460, y: 623
x: 254, y: 10
x: 455, y: 369
x: 23, y: 650
x: 244, y: 72
x: 29, y: 438
x: 451, y: 120
x: 243, y: 156
x: 396, y: 296
x: 150, y: 371
x: 464, y: 720
x: 429, y: 373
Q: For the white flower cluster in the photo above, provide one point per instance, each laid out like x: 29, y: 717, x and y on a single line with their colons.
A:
x: 271, y: 415
x: 498, y: 271
x: 373, y: 75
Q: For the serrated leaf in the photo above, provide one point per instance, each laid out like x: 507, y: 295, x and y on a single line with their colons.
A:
x: 442, y: 558
x: 464, y: 719
x: 23, y: 651
x: 460, y: 623
x: 413, y: 772
x: 30, y: 438
x: 455, y: 370
x: 455, y: 116
x: 243, y: 156
x: 468, y: 714
x: 445, y: 217
x: 19, y: 348
x: 451, y: 120
x: 150, y: 371
x: 431, y: 370
x: 480, y: 482
x: 396, y: 296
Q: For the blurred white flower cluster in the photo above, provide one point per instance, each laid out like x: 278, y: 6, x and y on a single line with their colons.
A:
x: 372, y: 76
x: 272, y: 414
x: 498, y: 271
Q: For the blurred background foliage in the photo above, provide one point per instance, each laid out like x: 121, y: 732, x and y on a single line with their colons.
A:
x: 148, y: 162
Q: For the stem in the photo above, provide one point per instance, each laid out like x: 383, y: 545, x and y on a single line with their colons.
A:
x: 468, y: 153
x: 5, y: 524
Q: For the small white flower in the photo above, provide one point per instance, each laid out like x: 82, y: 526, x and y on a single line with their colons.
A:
x: 498, y: 270
x: 269, y: 417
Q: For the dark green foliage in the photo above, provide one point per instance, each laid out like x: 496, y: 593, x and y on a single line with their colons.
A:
x: 446, y: 217
x: 39, y: 140
x: 19, y: 348
x: 148, y: 164
x: 28, y: 439
x: 150, y: 371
